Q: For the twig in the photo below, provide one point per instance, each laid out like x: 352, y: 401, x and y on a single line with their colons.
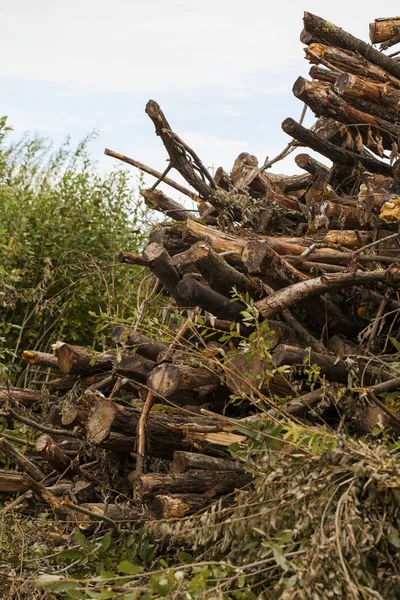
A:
x: 44, y: 428
x: 193, y: 154
x: 324, y: 62
x: 141, y: 436
x: 85, y: 511
x: 153, y: 172
x: 21, y: 460
x: 376, y: 323
x: 363, y: 248
x: 162, y: 176
x: 181, y: 332
x: 388, y: 412
x: 287, y: 150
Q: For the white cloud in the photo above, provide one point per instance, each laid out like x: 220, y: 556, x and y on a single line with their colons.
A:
x: 119, y: 46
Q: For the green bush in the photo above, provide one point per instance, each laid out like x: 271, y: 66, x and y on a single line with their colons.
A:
x: 62, y: 225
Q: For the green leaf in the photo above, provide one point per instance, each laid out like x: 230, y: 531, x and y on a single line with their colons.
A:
x: 394, y: 539
x: 75, y: 595
x: 395, y: 343
x: 280, y: 558
x: 55, y: 583
x: 69, y: 555
x: 185, y: 558
x: 103, y: 595
x: 128, y: 568
x: 82, y: 540
x: 106, y: 541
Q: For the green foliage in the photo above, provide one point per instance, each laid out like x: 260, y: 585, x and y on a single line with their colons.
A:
x: 62, y: 226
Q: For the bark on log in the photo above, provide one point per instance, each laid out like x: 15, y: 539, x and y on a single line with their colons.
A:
x: 22, y: 461
x: 382, y: 30
x: 323, y: 101
x: 176, y: 506
x: 246, y: 377
x: 221, y: 276
x: 159, y: 261
x: 192, y: 293
x: 169, y: 379
x: 335, y: 36
x: 133, y: 366
x: 109, y: 419
x: 322, y: 74
x: 350, y: 62
x: 285, y: 298
x: 193, y: 481
x: 332, y: 368
x: 157, y: 200
x: 12, y: 482
x: 42, y: 359
x: 25, y: 397
x: 78, y: 359
x: 186, y: 461
x: 52, y: 453
x: 178, y: 156
x: 356, y: 87
x: 143, y: 345
x: 312, y: 166
x: 342, y: 157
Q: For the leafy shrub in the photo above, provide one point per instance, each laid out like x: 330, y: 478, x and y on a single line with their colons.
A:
x: 62, y: 225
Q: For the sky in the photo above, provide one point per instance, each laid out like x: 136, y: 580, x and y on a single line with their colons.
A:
x: 222, y: 71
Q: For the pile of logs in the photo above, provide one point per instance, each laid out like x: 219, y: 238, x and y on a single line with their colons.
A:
x: 281, y: 291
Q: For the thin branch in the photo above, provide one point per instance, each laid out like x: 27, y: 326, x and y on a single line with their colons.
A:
x: 153, y: 172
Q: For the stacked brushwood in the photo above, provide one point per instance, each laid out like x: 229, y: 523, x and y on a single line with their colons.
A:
x: 311, y: 262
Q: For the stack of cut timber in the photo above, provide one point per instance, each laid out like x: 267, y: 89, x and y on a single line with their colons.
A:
x: 312, y: 261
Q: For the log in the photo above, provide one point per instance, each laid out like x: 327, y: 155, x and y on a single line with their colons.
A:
x: 247, y: 375
x: 178, y: 158
x: 143, y: 345
x: 352, y: 86
x: 162, y: 433
x: 335, y: 36
x: 331, y: 367
x: 154, y: 173
x: 192, y: 293
x: 193, y: 481
x: 247, y: 175
x: 350, y: 62
x: 78, y: 359
x: 335, y: 154
x: 382, y: 30
x: 67, y: 383
x: 181, y: 381
x: 52, y: 453
x: 322, y: 74
x: 221, y: 276
x: 24, y: 396
x: 186, y: 461
x: 176, y: 506
x: 157, y: 200
x: 159, y: 261
x: 12, y: 482
x: 323, y: 101
x: 312, y: 166
x: 133, y: 366
x: 96, y: 511
x: 42, y: 359
x: 260, y: 259
x: 22, y: 461
x: 285, y: 298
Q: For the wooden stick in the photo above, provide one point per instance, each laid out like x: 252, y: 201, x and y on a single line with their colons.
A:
x: 141, y: 438
x: 21, y: 460
x: 153, y: 172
